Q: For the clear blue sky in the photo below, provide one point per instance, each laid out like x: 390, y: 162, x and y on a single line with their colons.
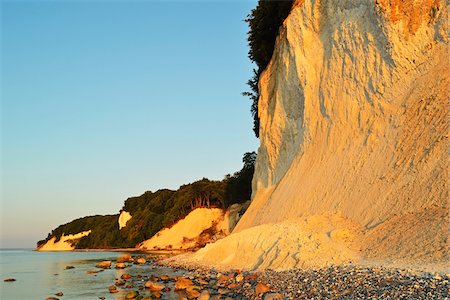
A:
x: 105, y: 100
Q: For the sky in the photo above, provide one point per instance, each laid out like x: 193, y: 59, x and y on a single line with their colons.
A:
x: 104, y: 100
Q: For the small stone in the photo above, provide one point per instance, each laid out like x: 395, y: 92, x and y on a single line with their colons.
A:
x: 154, y: 286
x: 239, y: 277
x: 124, y: 258
x: 70, y: 267
x: 192, y: 292
x: 165, y: 278
x: 273, y: 296
x: 119, y: 283
x: 92, y: 271
x: 104, y: 264
x: 224, y: 291
x: 59, y: 294
x: 261, y: 288
x: 438, y: 277
x: 125, y: 276
x: 120, y: 266
x: 113, y: 289
x: 250, y: 277
x: 9, y: 280
x: 204, y: 295
x: 131, y: 295
x: 51, y: 298
x: 141, y: 260
x: 202, y: 281
x: 182, y: 283
x: 223, y: 278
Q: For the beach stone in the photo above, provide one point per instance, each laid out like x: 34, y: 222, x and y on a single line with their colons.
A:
x: 251, y: 277
x: 273, y: 296
x: 156, y: 294
x: 202, y: 281
x: 113, y: 289
x: 239, y: 277
x: 9, y: 280
x: 223, y: 278
x: 204, y: 295
x: 51, y: 298
x: 224, y: 291
x: 92, y: 271
x: 104, y: 264
x: 192, y: 291
x: 154, y: 286
x: 70, y: 267
x: 141, y: 260
x: 119, y: 283
x: 261, y: 288
x: 182, y: 283
x: 125, y: 276
x: 165, y: 278
x: 120, y: 266
x: 59, y: 294
x: 131, y: 295
x: 124, y: 258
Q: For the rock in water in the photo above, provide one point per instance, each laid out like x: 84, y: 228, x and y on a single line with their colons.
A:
x: 120, y: 266
x: 59, y: 294
x: 9, y: 280
x: 132, y: 295
x: 141, y: 260
x: 182, y: 283
x: 154, y: 286
x: 104, y: 264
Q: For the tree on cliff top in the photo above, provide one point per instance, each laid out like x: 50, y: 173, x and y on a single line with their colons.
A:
x: 264, y: 22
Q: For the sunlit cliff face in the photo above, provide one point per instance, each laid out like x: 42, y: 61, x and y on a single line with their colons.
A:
x: 124, y: 217
x: 64, y: 243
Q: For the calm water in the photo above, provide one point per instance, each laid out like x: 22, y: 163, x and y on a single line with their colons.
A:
x: 41, y: 274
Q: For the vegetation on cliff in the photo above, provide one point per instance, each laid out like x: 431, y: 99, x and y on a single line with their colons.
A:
x: 264, y: 22
x: 153, y: 211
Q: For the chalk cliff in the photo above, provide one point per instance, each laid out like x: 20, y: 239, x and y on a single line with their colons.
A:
x: 354, y: 136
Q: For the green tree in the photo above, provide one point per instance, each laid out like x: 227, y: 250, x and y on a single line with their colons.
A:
x: 264, y: 22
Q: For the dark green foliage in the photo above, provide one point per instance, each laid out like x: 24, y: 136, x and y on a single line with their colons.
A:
x: 264, y: 22
x: 153, y: 211
x: 239, y: 186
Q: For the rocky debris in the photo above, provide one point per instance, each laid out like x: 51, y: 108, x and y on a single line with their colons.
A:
x: 69, y: 267
x: 59, y: 294
x: 9, y: 280
x: 328, y: 283
x: 106, y: 264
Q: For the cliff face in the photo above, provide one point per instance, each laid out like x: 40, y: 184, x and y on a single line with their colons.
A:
x: 353, y: 130
x: 353, y: 113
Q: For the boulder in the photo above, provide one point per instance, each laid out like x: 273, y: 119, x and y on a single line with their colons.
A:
x: 261, y: 288
x: 182, y: 283
x: 154, y: 286
x: 104, y: 264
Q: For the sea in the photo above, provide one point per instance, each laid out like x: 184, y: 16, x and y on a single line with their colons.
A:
x: 40, y: 275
